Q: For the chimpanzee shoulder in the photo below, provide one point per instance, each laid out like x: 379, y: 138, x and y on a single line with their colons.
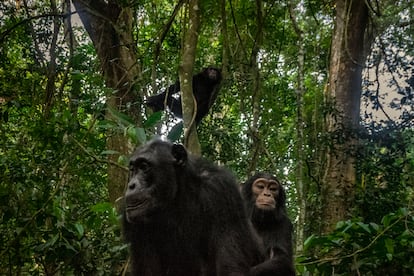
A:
x: 184, y: 216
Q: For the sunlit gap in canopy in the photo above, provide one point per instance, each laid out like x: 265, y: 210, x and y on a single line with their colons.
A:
x: 388, y: 83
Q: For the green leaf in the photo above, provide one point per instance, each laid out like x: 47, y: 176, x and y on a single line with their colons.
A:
x: 386, y: 220
x: 374, y: 226
x: 101, y: 207
x: 142, y: 137
x: 356, y: 246
x: 123, y: 160
x: 70, y: 247
x: 153, y: 119
x: 389, y: 245
x: 50, y: 242
x: 121, y: 117
x: 175, y: 132
x: 77, y: 75
x: 364, y: 226
x: 106, y: 124
x: 109, y: 152
x: 348, y: 225
x: 80, y: 230
x: 309, y: 240
x: 137, y: 135
x: 338, y: 241
x: 403, y: 211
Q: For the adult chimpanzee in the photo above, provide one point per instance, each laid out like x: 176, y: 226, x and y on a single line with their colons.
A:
x: 265, y: 199
x: 205, y: 90
x: 185, y: 216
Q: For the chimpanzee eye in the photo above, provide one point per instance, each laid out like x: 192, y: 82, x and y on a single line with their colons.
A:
x: 273, y: 189
x: 260, y: 185
x: 139, y: 165
x: 143, y: 166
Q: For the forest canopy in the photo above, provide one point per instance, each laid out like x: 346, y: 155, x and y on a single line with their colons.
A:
x: 319, y: 93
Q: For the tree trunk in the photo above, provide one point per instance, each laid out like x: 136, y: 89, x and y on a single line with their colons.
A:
x: 186, y: 80
x: 257, y: 146
x: 224, y: 32
x: 109, y: 25
x: 300, y: 155
x: 343, y: 95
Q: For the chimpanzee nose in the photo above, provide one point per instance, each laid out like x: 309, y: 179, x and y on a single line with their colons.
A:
x: 132, y: 185
x: 266, y: 192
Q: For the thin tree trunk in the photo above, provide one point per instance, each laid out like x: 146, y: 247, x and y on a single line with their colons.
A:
x: 300, y: 90
x: 110, y: 28
x: 186, y: 72
x: 224, y: 32
x: 51, y: 70
x: 256, y: 97
x: 343, y: 94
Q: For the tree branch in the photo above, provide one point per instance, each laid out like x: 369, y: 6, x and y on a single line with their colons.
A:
x: 24, y: 21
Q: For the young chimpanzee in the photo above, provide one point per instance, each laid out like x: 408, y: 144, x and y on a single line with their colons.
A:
x: 265, y: 199
x: 185, y: 216
x: 205, y: 90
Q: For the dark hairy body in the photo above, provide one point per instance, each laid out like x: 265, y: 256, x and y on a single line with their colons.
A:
x: 185, y: 216
x: 205, y: 90
x: 265, y: 201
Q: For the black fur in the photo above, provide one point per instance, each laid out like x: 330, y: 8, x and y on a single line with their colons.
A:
x: 205, y: 90
x: 275, y: 229
x: 185, y: 216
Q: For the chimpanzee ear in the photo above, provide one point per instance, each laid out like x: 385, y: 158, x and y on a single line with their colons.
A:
x: 180, y: 154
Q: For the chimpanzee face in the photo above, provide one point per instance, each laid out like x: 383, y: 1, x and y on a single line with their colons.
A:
x: 265, y: 192
x: 212, y: 75
x: 140, y: 196
x: 152, y: 185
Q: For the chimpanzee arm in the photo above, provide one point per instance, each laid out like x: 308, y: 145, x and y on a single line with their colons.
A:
x: 159, y: 101
x: 283, y: 237
x: 280, y: 264
x: 279, y: 244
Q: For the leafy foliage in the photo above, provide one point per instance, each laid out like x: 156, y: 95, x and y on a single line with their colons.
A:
x: 359, y: 248
x: 55, y: 217
x: 51, y: 194
x: 385, y: 173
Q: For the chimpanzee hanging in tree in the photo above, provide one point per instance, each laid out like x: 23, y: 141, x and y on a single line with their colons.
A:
x: 205, y: 90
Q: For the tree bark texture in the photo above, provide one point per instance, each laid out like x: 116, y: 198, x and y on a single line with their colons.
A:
x: 191, y: 141
x: 257, y: 147
x: 343, y: 95
x: 109, y: 25
x: 300, y: 137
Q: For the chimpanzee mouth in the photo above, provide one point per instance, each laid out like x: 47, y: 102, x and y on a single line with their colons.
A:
x: 136, y: 204
x: 265, y: 202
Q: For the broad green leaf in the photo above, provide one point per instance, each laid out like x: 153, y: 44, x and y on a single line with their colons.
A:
x: 374, y: 226
x: 389, y: 245
x: 153, y: 119
x: 80, y: 230
x: 175, y: 132
x: 364, y: 226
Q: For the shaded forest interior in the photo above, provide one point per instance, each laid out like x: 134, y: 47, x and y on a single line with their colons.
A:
x: 319, y: 93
